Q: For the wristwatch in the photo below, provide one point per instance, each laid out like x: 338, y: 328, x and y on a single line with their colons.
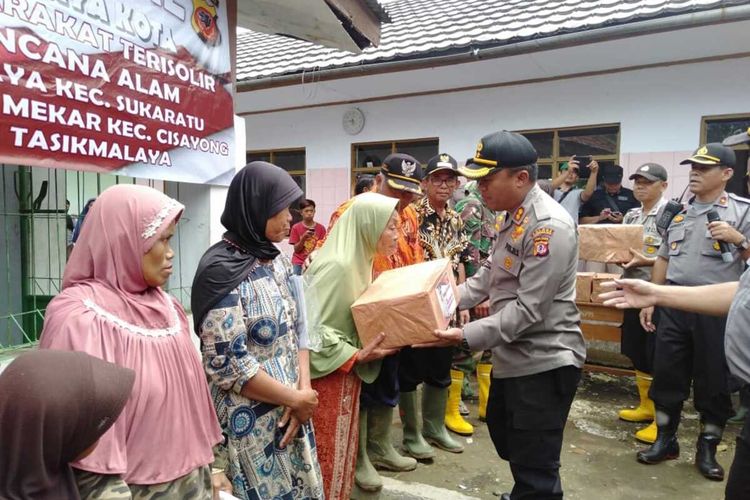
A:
x: 744, y: 244
x: 464, y: 342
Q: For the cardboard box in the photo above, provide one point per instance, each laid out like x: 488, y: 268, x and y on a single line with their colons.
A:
x: 596, y: 285
x: 407, y: 304
x: 584, y: 283
x: 608, y: 242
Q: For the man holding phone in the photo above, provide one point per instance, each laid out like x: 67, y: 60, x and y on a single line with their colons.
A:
x: 563, y: 188
x: 305, y: 235
x: 611, y: 201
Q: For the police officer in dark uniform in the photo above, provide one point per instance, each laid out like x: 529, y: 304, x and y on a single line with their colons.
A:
x: 533, y: 329
x: 690, y: 346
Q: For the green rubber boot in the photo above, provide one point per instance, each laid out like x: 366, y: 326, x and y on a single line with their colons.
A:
x: 414, y: 444
x: 434, y: 400
x: 379, y: 442
x: 365, y: 475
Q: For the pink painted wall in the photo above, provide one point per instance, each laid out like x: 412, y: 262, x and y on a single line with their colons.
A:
x: 328, y: 188
x: 678, y: 174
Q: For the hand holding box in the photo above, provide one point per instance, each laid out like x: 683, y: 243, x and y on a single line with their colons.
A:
x: 407, y: 304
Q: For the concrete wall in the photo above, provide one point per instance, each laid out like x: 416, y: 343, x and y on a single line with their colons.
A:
x: 659, y: 111
x: 656, y: 86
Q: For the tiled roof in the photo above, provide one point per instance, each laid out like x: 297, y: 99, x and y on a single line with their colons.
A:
x: 377, y: 9
x: 424, y: 28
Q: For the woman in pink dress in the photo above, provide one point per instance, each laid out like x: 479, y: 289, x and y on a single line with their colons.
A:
x: 112, y: 307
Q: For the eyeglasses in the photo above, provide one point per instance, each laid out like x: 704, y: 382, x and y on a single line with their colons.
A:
x: 438, y: 181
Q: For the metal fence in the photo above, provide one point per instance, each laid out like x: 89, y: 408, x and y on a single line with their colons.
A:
x: 35, y: 239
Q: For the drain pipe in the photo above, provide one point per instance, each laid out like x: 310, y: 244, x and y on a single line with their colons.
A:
x: 635, y: 28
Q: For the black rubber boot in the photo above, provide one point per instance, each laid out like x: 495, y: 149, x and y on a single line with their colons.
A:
x: 666, y: 446
x: 705, y: 457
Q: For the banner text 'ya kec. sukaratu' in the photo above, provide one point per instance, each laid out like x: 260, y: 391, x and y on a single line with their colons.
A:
x: 133, y: 87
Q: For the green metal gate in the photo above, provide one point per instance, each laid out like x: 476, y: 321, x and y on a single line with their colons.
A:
x: 34, y: 242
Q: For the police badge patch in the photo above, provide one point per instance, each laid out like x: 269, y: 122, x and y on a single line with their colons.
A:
x: 541, y: 247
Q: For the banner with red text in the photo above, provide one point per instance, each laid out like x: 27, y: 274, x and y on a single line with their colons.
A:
x: 131, y: 87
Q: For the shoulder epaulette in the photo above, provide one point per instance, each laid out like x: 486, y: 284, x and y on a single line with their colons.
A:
x: 738, y: 198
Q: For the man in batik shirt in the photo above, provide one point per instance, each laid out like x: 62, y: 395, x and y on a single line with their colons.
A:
x: 441, y: 233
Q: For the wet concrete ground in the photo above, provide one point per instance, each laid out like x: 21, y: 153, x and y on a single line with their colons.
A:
x: 598, y: 457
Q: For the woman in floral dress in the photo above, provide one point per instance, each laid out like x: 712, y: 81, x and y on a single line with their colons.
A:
x: 247, y: 315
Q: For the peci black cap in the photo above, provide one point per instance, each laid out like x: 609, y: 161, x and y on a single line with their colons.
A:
x: 713, y: 153
x: 611, y: 174
x: 497, y: 151
x: 741, y: 138
x: 402, y: 172
x: 650, y: 171
x: 441, y: 162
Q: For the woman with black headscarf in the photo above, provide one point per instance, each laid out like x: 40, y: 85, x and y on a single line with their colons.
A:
x: 54, y: 407
x: 245, y: 308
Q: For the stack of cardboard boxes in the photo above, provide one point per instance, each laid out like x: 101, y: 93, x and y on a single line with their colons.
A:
x: 609, y: 243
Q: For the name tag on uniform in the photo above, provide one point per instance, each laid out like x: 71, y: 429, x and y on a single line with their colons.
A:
x: 512, y: 250
x: 622, y: 198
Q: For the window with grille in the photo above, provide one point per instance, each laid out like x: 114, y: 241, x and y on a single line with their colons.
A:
x: 556, y: 146
x: 718, y: 128
x: 367, y: 158
x: 291, y: 160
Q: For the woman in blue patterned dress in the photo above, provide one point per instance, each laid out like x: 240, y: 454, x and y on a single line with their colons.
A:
x: 246, y: 312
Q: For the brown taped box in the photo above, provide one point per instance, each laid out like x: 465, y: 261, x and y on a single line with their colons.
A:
x: 609, y: 242
x: 407, y: 304
x: 583, y: 286
x: 596, y: 286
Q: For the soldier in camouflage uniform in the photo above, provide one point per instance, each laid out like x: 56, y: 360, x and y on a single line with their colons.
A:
x: 480, y: 226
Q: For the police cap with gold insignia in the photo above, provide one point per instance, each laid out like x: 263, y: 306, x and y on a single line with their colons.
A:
x: 741, y: 138
x: 713, y: 153
x: 402, y: 172
x: 497, y: 151
x: 441, y: 162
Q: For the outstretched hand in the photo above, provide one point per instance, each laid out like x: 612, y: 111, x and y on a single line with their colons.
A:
x: 633, y: 294
x: 444, y: 338
x: 629, y: 294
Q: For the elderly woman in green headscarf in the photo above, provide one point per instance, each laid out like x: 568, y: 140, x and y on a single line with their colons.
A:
x: 340, y: 273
